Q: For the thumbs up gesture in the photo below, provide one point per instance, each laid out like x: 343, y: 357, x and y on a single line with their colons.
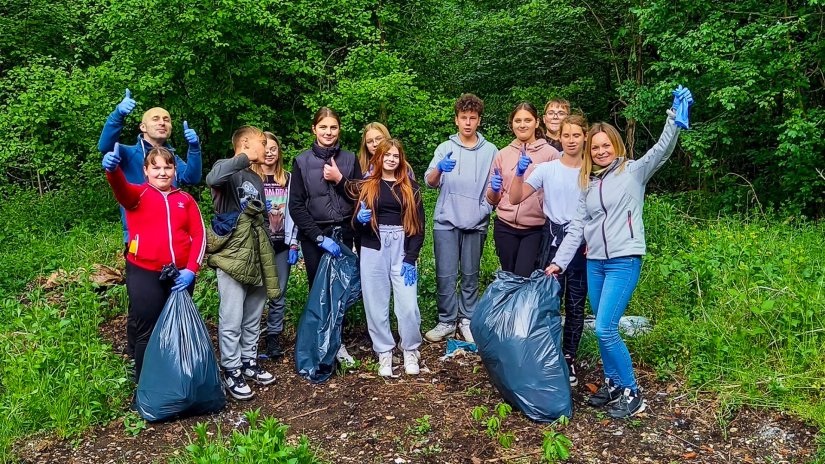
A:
x: 364, y: 214
x: 127, y: 104
x: 190, y: 135
x: 496, y: 180
x: 331, y: 172
x: 112, y: 159
x: 447, y: 164
x: 524, y: 162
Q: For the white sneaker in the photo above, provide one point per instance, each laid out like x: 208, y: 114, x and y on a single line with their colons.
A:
x: 464, y: 328
x: 441, y: 331
x: 385, y: 364
x: 411, y: 362
x: 343, y: 356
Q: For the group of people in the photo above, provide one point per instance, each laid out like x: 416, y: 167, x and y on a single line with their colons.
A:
x: 568, y: 200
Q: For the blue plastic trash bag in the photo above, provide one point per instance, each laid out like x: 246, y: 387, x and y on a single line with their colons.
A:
x: 336, y: 287
x: 517, y: 329
x: 180, y: 374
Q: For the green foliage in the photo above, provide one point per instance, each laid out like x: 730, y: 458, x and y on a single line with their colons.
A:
x: 493, y: 423
x: 555, y: 446
x: 264, y: 442
x: 133, y: 424
x: 422, y: 426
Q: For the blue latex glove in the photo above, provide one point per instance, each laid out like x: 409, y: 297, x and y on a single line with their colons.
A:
x: 293, y: 256
x: 244, y: 202
x: 409, y: 273
x: 524, y: 162
x: 268, y: 205
x: 682, y: 101
x: 447, y: 164
x: 112, y: 159
x: 184, y: 280
x: 496, y: 180
x: 190, y: 135
x: 331, y: 247
x: 364, y: 214
x: 126, y: 105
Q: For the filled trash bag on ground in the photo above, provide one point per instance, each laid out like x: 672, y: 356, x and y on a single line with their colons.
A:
x: 336, y: 287
x: 180, y: 375
x: 517, y: 329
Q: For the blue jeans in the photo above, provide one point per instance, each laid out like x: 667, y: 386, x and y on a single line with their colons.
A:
x: 610, y: 284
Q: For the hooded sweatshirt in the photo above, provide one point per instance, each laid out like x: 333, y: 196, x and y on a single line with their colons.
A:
x: 462, y: 202
x: 528, y: 213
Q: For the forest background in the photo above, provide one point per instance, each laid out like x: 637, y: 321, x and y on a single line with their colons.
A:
x: 734, y: 278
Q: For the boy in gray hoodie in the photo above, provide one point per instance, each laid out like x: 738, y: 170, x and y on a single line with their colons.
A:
x: 460, y: 169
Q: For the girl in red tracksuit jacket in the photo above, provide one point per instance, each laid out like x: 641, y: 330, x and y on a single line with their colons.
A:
x: 165, y: 226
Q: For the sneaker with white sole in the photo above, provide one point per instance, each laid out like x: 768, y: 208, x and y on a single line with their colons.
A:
x: 629, y: 404
x: 571, y: 367
x: 464, y: 328
x: 385, y: 364
x: 236, y: 385
x: 607, y: 394
x: 253, y: 371
x: 343, y: 355
x: 411, y: 362
x: 440, y: 332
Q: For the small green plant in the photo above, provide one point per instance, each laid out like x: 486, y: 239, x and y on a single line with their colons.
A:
x: 422, y: 426
x: 473, y: 391
x: 133, y: 424
x: 344, y: 366
x: 264, y: 442
x: 476, y: 369
x: 493, y: 423
x: 431, y: 450
x: 556, y: 446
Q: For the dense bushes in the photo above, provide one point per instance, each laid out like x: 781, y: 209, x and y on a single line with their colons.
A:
x: 754, y: 68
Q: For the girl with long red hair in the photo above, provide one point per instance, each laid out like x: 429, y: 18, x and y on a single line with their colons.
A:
x: 390, y: 221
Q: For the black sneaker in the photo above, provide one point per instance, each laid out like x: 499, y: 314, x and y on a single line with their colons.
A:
x: 571, y: 367
x: 607, y: 394
x: 629, y: 404
x: 256, y: 373
x: 273, y: 347
x: 236, y: 385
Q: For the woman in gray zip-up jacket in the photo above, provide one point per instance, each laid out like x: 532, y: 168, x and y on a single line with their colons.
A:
x: 609, y: 219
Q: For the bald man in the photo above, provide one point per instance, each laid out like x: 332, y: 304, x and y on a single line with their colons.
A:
x: 155, y: 128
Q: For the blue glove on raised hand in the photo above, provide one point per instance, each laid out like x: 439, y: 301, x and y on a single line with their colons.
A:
x: 447, y: 164
x: 524, y: 162
x: 409, y: 273
x: 184, y: 280
x: 244, y: 202
x: 189, y: 134
x: 331, y: 247
x: 126, y: 105
x: 682, y: 101
x: 496, y: 180
x: 112, y: 159
x: 268, y: 205
x: 293, y: 256
x: 364, y: 214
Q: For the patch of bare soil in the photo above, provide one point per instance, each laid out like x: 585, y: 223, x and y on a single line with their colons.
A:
x: 361, y: 418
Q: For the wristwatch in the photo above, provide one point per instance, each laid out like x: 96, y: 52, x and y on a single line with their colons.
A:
x: 319, y: 239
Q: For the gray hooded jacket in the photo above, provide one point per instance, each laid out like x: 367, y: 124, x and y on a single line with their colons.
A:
x: 609, y: 216
x: 462, y: 203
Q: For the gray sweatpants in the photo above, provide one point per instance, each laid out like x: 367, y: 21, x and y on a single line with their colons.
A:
x: 239, y: 320
x: 456, y: 250
x: 380, y: 274
x: 277, y: 306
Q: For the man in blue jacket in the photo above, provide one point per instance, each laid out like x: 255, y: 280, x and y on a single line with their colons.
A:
x: 155, y: 128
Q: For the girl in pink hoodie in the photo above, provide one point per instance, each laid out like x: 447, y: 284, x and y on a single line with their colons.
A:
x: 517, y: 230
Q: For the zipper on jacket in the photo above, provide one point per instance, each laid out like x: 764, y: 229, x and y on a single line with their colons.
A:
x: 169, y: 226
x: 604, y: 235
x: 630, y: 224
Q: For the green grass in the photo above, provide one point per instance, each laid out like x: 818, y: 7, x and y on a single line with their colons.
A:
x: 738, y: 305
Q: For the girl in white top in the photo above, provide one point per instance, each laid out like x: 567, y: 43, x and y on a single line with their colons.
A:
x: 560, y: 181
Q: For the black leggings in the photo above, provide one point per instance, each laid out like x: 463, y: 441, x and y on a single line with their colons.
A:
x: 313, y: 252
x: 517, y: 248
x: 574, y: 293
x: 147, y: 296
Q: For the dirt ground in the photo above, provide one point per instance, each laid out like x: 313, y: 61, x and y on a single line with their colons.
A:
x: 362, y: 418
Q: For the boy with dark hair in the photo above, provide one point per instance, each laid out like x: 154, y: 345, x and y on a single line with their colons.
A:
x: 460, y: 168
x: 244, y: 259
